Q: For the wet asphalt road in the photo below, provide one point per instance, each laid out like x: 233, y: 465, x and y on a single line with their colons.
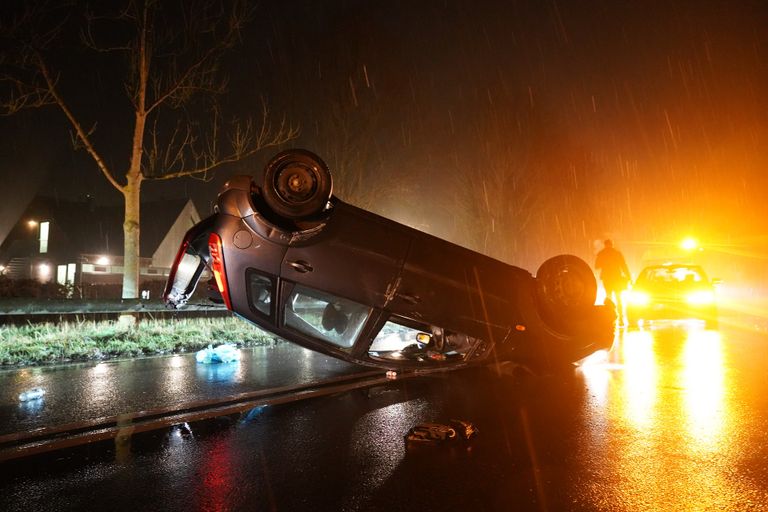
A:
x: 95, y: 390
x: 672, y: 419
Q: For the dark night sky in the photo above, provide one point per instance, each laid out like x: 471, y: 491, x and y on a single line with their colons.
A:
x: 639, y: 120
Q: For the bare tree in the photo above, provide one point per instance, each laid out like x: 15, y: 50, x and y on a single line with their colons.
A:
x: 171, y: 55
x: 347, y: 137
x: 497, y: 202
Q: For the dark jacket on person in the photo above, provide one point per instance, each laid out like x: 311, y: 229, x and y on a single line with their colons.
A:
x: 613, y: 269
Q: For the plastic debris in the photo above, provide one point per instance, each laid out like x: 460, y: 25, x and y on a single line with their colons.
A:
x: 440, y: 433
x: 31, y: 394
x: 225, y: 353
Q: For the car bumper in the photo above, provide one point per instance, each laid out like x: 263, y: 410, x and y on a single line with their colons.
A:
x: 671, y: 311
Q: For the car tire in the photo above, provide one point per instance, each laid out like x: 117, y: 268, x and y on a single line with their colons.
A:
x: 565, y: 289
x: 297, y: 184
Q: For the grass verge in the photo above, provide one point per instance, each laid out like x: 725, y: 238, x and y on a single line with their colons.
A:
x: 38, y: 344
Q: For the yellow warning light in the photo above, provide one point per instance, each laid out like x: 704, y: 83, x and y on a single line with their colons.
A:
x: 689, y: 244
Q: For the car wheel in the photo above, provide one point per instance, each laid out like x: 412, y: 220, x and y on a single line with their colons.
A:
x: 297, y: 184
x: 565, y: 288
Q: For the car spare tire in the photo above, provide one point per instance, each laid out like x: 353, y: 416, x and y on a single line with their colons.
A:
x: 565, y: 290
x: 297, y: 184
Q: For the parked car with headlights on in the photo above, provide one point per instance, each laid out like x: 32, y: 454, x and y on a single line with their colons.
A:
x: 673, y: 291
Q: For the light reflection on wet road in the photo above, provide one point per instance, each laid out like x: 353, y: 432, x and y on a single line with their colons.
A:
x: 671, y: 419
x: 678, y: 416
x: 95, y: 390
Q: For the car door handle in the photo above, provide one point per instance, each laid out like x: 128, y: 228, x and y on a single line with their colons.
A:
x: 300, y: 266
x: 409, y: 298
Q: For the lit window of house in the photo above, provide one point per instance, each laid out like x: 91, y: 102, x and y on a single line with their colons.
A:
x: 61, y: 274
x: 44, y: 228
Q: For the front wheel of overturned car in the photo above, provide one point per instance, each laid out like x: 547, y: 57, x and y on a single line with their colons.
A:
x: 297, y: 184
x: 565, y: 289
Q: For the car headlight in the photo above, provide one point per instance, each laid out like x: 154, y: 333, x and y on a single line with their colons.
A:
x: 701, y: 297
x: 638, y: 298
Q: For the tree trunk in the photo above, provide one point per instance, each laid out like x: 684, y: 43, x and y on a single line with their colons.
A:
x: 131, y: 231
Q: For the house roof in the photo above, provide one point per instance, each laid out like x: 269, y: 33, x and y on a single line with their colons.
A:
x: 91, y: 229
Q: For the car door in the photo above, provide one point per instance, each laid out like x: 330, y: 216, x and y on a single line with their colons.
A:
x: 357, y: 255
x: 445, y: 284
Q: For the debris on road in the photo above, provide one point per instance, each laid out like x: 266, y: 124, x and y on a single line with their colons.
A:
x: 439, y: 433
x: 31, y: 394
x: 225, y: 353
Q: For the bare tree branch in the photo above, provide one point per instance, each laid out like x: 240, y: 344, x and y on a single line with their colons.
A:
x: 89, y: 38
x: 202, y: 74
x: 243, y: 143
x: 81, y: 133
x: 172, y: 80
x: 23, y: 95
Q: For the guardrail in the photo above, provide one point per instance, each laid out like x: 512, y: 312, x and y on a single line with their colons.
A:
x: 15, y: 312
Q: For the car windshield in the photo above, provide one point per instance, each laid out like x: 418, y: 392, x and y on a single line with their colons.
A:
x: 189, y: 269
x: 674, y: 275
x: 396, y: 341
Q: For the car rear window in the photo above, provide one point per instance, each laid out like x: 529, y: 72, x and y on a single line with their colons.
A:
x: 189, y: 269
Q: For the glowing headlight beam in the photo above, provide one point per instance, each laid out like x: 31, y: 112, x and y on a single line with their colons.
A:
x: 638, y: 298
x: 701, y: 297
x: 689, y: 244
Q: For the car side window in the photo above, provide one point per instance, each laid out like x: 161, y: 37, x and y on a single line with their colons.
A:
x: 397, y: 341
x: 325, y: 316
x: 260, y: 292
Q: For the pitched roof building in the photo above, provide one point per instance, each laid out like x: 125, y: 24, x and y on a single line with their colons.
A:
x: 80, y: 244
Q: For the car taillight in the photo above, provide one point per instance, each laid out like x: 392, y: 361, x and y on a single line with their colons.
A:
x: 217, y: 267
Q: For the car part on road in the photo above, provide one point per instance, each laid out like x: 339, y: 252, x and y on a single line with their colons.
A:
x: 439, y: 433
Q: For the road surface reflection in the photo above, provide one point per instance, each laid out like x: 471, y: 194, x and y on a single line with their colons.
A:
x: 664, y: 422
x: 673, y: 418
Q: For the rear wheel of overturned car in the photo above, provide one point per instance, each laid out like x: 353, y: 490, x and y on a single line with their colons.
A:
x: 297, y: 184
x: 565, y: 289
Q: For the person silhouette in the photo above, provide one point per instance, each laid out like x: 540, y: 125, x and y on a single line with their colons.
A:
x: 615, y: 276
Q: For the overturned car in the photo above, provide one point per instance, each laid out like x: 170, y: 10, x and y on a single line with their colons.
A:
x: 297, y: 261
